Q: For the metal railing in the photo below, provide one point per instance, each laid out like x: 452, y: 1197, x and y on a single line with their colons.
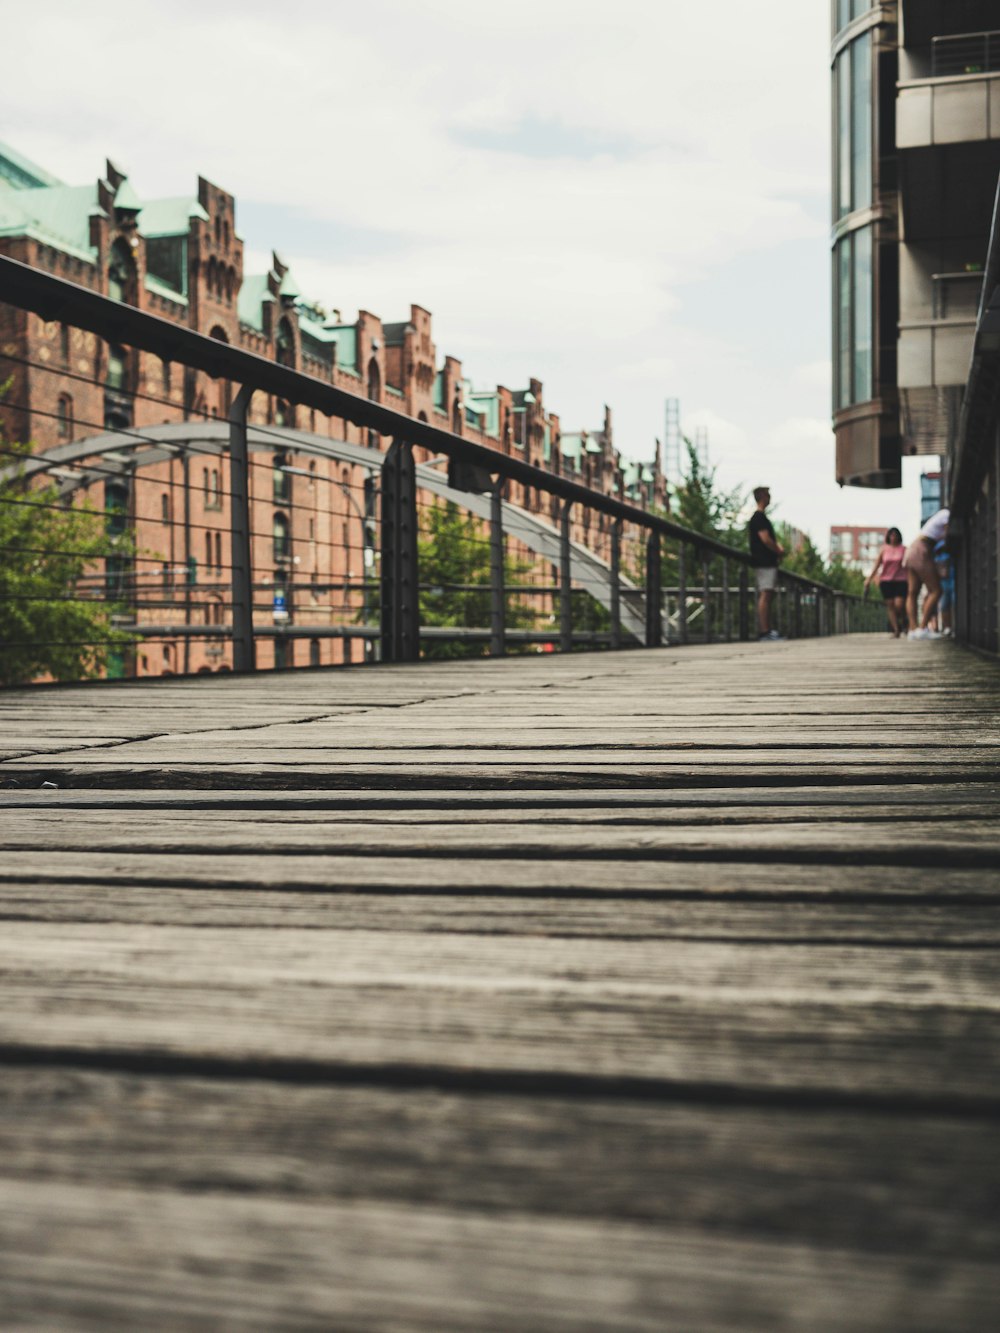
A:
x: 965, y: 53
x: 313, y: 526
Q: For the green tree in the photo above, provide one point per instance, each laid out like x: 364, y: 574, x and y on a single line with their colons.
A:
x: 454, y: 563
x: 45, y: 548
x: 803, y: 558
x: 700, y: 505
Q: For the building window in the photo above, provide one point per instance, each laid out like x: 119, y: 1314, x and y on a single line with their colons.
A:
x: 165, y: 507
x: 846, y: 11
x: 282, y: 539
x: 218, y: 551
x: 853, y: 92
x: 121, y: 273
x: 116, y: 368
x: 282, y: 482
x: 284, y: 350
x: 212, y: 488
x: 64, y: 343
x: 165, y: 373
x: 853, y: 319
x: 208, y: 551
x: 64, y: 416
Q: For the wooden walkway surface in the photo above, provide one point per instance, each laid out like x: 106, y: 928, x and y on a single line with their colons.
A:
x: 651, y: 991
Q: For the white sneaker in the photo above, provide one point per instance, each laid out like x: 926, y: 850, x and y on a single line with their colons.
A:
x: 771, y: 637
x: 933, y: 634
x: 919, y: 634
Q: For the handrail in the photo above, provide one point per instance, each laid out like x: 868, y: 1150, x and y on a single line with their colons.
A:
x: 55, y: 298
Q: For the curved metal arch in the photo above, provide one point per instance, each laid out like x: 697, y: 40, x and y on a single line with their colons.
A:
x: 160, y: 443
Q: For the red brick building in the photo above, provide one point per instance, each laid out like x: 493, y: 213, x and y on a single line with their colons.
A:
x: 182, y: 259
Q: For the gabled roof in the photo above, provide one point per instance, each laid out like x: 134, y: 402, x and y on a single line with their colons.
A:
x: 169, y: 217
x: 20, y: 173
x: 58, y: 215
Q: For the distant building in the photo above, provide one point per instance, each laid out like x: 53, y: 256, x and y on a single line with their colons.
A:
x: 182, y: 260
x: 930, y: 495
x: 856, y: 548
x: 916, y: 120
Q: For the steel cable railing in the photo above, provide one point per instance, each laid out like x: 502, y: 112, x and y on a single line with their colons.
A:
x: 227, y: 544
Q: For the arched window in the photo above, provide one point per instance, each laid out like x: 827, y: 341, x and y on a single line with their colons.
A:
x: 208, y: 550
x: 218, y: 551
x: 282, y: 539
x: 374, y: 381
x: 456, y: 416
x: 165, y: 507
x: 223, y: 386
x: 282, y: 482
x: 121, y: 273
x: 64, y: 414
x: 284, y: 345
x: 211, y: 276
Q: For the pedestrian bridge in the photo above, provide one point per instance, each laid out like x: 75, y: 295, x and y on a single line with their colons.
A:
x: 634, y: 991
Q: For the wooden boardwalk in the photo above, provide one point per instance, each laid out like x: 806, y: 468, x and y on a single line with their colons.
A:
x: 655, y: 991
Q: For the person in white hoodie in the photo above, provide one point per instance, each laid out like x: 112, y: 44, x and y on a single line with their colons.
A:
x: 921, y: 572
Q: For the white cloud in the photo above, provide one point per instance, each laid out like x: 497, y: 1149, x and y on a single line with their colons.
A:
x: 684, y: 255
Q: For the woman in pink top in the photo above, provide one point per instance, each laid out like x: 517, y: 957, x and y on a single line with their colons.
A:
x: 891, y: 575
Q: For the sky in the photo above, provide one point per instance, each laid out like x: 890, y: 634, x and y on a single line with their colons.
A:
x: 629, y: 202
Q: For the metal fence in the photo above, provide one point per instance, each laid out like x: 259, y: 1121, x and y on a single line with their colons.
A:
x: 252, y: 516
x: 974, y: 472
x: 965, y: 53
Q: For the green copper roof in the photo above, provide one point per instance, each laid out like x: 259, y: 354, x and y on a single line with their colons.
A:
x: 170, y: 217
x: 154, y: 284
x: 126, y: 198
x: 289, y: 287
x: 20, y: 173
x: 571, y: 446
x: 487, y: 404
x: 346, y: 338
x: 250, y: 300
x: 58, y: 215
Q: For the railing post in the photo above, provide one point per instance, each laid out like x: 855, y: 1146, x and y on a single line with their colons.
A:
x: 498, y: 600
x: 242, y: 569
x: 616, y: 592
x: 726, y: 625
x: 682, y: 603
x: 817, y: 614
x: 400, y: 609
x: 798, y: 612
x: 565, y: 582
x: 744, y: 613
x: 706, y: 594
x: 654, y: 592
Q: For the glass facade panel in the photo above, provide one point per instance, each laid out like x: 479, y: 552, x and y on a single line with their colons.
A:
x: 843, y: 14
x: 863, y: 309
x: 861, y: 122
x: 843, y: 390
x: 852, y: 186
x: 842, y: 182
x: 854, y: 320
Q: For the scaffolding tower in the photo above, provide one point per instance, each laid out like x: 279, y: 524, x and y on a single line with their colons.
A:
x: 673, y: 444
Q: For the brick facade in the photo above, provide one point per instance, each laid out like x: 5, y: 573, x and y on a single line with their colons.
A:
x: 183, y: 261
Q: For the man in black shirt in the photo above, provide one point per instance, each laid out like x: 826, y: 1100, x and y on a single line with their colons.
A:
x: 765, y: 552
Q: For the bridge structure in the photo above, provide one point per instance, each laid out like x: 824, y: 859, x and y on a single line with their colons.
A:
x: 627, y: 991
x: 548, y: 561
x: 633, y: 991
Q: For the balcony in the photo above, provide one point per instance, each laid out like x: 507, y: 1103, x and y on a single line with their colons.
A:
x: 951, y: 92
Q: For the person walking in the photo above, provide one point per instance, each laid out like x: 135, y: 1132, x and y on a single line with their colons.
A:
x: 765, y: 552
x: 891, y: 575
x: 921, y: 571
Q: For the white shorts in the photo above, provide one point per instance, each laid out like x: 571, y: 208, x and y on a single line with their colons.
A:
x: 767, y: 579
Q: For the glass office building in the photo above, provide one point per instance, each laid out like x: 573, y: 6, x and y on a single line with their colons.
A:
x: 916, y: 156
